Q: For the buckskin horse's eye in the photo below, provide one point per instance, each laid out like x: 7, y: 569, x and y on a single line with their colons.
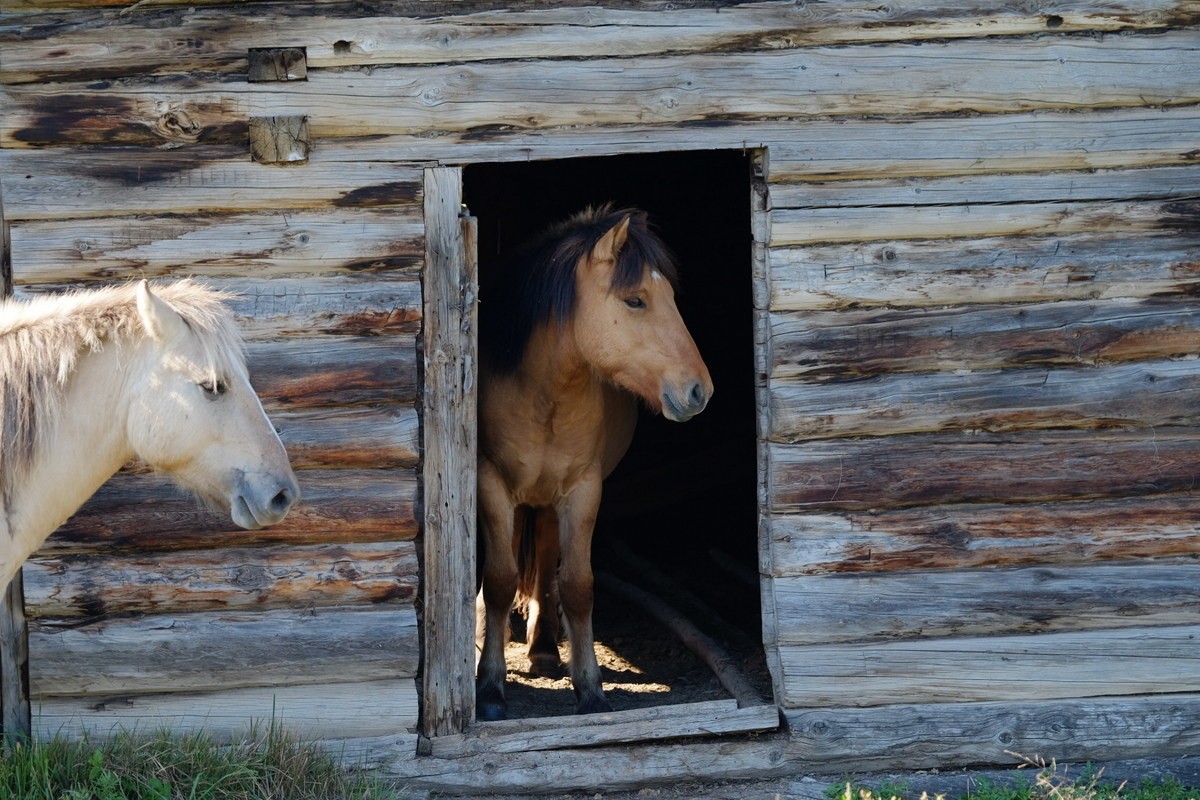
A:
x: 635, y: 302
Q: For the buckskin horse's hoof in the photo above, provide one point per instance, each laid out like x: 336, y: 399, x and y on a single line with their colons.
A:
x: 593, y: 704
x: 544, y: 665
x: 490, y: 705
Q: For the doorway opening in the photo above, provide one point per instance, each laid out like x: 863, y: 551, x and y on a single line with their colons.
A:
x: 679, y: 517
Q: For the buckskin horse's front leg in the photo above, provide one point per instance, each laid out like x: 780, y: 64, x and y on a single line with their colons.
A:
x: 496, y: 512
x: 577, y: 520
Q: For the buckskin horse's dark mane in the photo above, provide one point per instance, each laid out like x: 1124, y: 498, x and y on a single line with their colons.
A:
x: 538, y: 284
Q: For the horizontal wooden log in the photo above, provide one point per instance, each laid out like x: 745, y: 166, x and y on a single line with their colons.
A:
x: 912, y: 736
x: 110, y: 44
x: 1075, y: 186
x: 688, y: 720
x: 819, y: 345
x: 166, y: 652
x: 144, y: 512
x: 324, y: 711
x: 833, y: 148
x: 958, y: 537
x: 1004, y: 75
x: 362, y: 437
x: 364, y: 243
x: 366, y: 437
x: 1029, y: 142
x: 1014, y: 269
x: 834, y: 609
x: 939, y: 469
x: 596, y: 770
x: 58, y: 184
x: 257, y: 578
x: 792, y: 226
x: 333, y: 371
x: 1143, y: 394
x: 995, y: 668
x: 301, y: 307
x: 837, y: 740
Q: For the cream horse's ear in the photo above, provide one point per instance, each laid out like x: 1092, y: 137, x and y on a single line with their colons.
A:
x: 162, y: 323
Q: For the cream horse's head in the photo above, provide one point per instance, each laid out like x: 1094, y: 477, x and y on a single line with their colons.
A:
x: 193, y: 414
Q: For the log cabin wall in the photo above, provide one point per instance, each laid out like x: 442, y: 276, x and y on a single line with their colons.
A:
x: 976, y: 269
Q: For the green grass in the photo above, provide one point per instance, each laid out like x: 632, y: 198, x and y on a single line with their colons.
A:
x: 264, y: 766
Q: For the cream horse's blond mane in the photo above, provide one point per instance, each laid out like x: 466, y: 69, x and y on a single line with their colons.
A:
x: 42, y: 339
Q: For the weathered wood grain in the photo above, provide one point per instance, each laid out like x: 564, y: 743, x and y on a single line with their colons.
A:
x: 1028, y: 142
x: 956, y: 537
x: 835, y: 148
x: 1017, y: 668
x: 68, y: 183
x: 687, y: 720
x: 361, y: 437
x: 1039, y: 187
x: 283, y: 576
x: 791, y: 226
x: 1004, y: 75
x: 1023, y: 467
x: 111, y: 44
x: 325, y: 711
x: 449, y: 416
x: 144, y: 512
x: 333, y: 371
x: 267, y: 245
x: 593, y: 769
x: 1082, y: 266
x: 371, y: 305
x: 902, y: 737
x: 851, y: 343
x: 913, y: 736
x: 364, y: 437
x: 14, y: 661
x: 167, y: 652
x: 1143, y: 394
x: 861, y: 607
x: 280, y: 140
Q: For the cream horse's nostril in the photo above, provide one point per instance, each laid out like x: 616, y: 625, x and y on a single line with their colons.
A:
x: 697, y: 397
x: 281, y: 502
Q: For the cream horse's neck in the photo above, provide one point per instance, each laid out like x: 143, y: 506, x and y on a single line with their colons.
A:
x: 78, y: 456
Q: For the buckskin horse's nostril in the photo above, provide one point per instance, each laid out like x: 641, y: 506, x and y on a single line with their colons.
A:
x: 697, y: 397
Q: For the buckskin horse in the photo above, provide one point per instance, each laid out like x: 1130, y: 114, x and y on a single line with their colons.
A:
x: 582, y: 326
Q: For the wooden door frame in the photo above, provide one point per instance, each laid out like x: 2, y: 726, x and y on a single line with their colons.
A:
x: 449, y: 421
x: 449, y: 341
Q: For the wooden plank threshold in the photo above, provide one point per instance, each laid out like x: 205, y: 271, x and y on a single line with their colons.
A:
x: 714, y: 718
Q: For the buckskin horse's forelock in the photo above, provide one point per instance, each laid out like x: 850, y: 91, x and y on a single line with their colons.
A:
x: 541, y: 287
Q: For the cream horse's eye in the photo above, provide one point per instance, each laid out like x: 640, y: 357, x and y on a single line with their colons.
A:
x: 213, y: 389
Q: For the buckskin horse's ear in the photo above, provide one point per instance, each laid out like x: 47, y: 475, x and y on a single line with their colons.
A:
x: 610, y: 243
x: 162, y: 323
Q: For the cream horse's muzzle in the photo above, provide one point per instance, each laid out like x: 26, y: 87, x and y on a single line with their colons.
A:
x: 266, y: 501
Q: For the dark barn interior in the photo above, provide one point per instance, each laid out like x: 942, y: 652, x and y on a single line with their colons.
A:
x: 679, y: 514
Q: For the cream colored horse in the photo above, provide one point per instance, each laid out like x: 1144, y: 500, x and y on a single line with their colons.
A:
x: 90, y: 380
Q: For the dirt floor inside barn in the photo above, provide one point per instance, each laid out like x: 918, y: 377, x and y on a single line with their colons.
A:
x: 643, y: 663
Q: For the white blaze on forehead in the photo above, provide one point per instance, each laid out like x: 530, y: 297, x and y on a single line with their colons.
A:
x: 655, y: 274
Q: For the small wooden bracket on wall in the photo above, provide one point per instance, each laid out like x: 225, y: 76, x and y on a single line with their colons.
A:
x: 279, y: 140
x: 278, y: 64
